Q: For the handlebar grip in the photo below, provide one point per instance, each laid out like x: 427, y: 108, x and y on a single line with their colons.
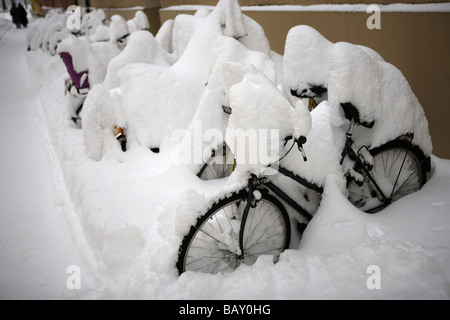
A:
x: 286, y: 139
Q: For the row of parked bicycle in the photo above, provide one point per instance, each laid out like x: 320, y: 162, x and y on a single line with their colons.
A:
x: 345, y: 108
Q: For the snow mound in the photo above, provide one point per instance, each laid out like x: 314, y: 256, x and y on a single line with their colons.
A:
x: 139, y: 22
x: 159, y: 99
x: 101, y: 33
x: 323, y: 148
x: 306, y: 59
x: 234, y: 60
x: 119, y: 31
x: 91, y: 20
x: 260, y: 122
x: 381, y: 95
x: 164, y: 35
x: 354, y: 74
x: 142, y: 47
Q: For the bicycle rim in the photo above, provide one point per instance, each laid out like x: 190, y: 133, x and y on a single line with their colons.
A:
x: 398, y: 172
x: 213, y: 244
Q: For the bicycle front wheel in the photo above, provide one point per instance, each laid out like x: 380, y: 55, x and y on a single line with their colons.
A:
x: 212, y: 244
x: 398, y: 170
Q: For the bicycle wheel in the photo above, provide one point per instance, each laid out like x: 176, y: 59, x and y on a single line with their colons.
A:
x: 212, y: 245
x: 399, y: 169
x: 219, y: 165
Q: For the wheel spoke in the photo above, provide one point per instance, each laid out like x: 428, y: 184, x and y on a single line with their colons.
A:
x: 218, y: 166
x: 228, y: 218
x: 206, y: 266
x: 397, y: 171
x: 251, y: 230
x: 256, y: 243
x: 408, y: 180
x: 261, y: 217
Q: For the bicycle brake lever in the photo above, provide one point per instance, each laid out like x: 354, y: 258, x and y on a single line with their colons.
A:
x: 286, y: 140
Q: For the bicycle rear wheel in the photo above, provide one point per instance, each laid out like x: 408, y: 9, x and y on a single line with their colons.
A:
x: 399, y: 169
x: 212, y: 244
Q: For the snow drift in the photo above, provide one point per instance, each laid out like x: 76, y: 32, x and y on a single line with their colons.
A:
x: 157, y: 100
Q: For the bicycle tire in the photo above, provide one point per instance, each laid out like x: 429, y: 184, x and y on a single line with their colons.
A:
x: 212, y: 244
x: 399, y: 169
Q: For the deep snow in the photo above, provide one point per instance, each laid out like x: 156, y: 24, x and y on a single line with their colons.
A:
x: 121, y: 222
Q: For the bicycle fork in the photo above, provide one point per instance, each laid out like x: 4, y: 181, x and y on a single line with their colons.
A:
x: 251, y: 203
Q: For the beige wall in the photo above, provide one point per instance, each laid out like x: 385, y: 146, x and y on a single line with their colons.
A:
x: 127, y: 9
x: 123, y: 3
x: 416, y: 43
x: 167, y: 3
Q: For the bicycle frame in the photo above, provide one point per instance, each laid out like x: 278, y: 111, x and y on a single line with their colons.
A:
x: 254, y: 183
x: 353, y: 155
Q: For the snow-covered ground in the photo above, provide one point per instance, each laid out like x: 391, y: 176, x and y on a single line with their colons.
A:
x: 37, y: 243
x: 119, y: 221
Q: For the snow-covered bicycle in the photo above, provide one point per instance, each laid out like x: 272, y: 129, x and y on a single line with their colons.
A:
x: 251, y: 222
x: 222, y: 162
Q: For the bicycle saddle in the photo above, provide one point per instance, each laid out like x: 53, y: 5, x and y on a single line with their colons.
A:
x: 309, y: 92
x: 351, y: 112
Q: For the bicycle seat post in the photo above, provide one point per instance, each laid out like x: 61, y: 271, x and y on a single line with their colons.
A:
x: 350, y: 129
x: 348, y: 140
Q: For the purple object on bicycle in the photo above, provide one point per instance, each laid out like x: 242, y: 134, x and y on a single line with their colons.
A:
x: 75, y: 76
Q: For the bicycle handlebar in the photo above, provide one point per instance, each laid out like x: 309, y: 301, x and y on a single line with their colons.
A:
x: 299, y: 141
